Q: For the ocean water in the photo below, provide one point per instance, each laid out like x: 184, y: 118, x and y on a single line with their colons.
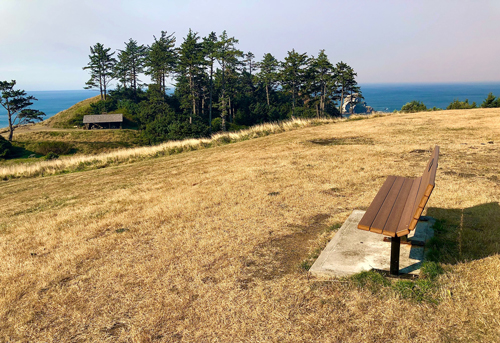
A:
x: 390, y: 97
x: 52, y: 102
x: 382, y: 97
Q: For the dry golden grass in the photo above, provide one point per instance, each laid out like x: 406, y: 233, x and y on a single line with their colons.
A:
x: 80, y: 162
x: 203, y: 246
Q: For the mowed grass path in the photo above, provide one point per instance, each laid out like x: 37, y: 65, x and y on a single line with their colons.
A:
x: 205, y: 246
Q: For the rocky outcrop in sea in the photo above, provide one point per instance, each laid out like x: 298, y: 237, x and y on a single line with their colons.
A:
x: 354, y: 104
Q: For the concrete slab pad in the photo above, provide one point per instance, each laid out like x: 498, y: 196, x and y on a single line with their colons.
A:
x: 352, y: 250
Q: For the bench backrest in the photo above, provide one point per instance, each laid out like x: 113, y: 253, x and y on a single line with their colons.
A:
x: 419, y: 195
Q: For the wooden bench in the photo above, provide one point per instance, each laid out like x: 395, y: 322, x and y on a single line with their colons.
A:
x: 397, y: 207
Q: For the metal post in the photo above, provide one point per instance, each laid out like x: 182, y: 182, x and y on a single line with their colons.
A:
x: 395, y: 245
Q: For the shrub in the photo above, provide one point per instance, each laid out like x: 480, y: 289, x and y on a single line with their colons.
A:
x: 235, y: 127
x: 44, y: 148
x: 51, y: 156
x: 491, y: 101
x: 104, y: 106
x: 5, y: 148
x: 459, y: 105
x: 217, y: 125
x: 414, y: 106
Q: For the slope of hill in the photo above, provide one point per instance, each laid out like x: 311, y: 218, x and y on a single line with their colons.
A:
x: 71, y: 116
x: 207, y: 245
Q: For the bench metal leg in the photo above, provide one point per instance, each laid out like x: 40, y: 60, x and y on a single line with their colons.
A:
x: 395, y: 247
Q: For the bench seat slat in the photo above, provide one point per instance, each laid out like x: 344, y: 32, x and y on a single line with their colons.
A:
x: 420, y: 207
x: 392, y: 222
x: 372, y: 210
x: 408, y: 213
x: 386, y: 208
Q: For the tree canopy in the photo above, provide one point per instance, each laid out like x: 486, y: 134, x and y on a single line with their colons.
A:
x: 16, y: 102
x: 214, y: 83
x: 102, y: 68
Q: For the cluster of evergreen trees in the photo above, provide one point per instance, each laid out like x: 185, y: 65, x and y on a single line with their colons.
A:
x: 217, y: 86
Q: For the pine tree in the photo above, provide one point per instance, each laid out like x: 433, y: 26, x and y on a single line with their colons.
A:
x: 16, y: 103
x: 249, y: 69
x: 161, y: 60
x: 130, y: 64
x: 293, y: 74
x: 227, y: 54
x: 346, y: 82
x: 268, y: 74
x: 101, y: 66
x: 190, y: 67
x: 491, y: 101
x: 210, y: 50
x: 322, y: 70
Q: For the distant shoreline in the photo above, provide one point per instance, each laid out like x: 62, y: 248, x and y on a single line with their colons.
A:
x: 383, y: 97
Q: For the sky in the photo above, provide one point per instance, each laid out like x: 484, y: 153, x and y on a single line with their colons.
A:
x: 45, y: 43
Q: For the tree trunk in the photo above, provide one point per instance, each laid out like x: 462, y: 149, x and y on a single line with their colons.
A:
x: 322, y: 100
x: 224, y: 109
x: 210, y: 104
x: 11, y: 128
x: 341, y: 101
x: 223, y: 113
x: 230, y: 110
x: 134, y: 79
x: 104, y: 86
x: 100, y: 86
x: 193, y: 97
x: 267, y: 93
x: 163, y: 86
x: 203, y: 92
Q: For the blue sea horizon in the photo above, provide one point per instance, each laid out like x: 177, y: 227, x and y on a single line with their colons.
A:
x: 381, y: 96
x: 392, y: 96
x: 52, y: 102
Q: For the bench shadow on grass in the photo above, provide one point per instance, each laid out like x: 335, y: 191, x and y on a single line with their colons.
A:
x: 464, y: 234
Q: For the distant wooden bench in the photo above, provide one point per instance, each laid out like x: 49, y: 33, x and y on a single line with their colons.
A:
x: 397, y: 207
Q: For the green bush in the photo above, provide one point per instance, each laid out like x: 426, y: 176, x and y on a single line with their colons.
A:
x: 51, y: 156
x: 459, y: 105
x: 217, y: 125
x: 235, y: 127
x: 491, y: 101
x: 44, y: 148
x: 414, y: 106
x: 104, y: 106
x: 5, y: 148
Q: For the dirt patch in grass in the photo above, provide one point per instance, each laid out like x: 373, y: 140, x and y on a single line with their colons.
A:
x: 282, y: 255
x: 343, y: 141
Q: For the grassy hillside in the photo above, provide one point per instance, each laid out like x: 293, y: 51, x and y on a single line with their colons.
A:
x: 71, y: 116
x: 81, y: 142
x: 207, y: 245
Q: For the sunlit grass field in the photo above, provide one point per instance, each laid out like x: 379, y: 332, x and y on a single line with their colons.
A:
x: 210, y: 244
